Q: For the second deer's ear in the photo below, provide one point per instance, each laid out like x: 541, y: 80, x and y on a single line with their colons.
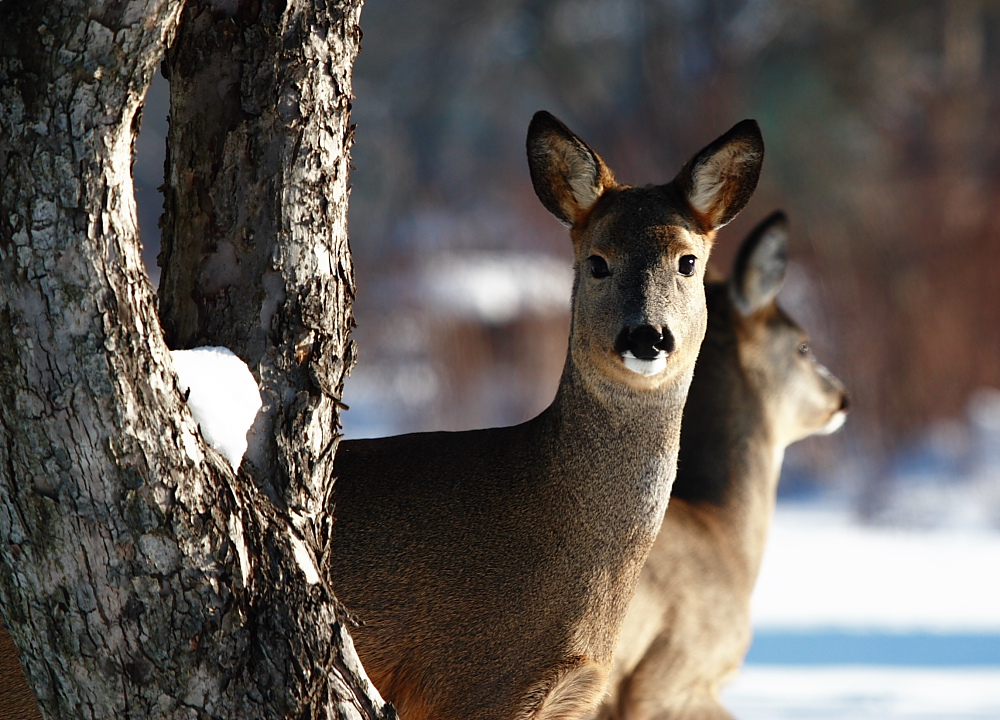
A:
x: 719, y: 181
x: 760, y: 265
x: 567, y: 175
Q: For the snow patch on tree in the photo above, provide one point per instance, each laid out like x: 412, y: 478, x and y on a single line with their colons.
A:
x: 222, y: 395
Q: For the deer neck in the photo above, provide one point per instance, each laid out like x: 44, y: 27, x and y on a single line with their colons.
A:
x: 755, y: 467
x: 623, y: 441
x: 729, y: 463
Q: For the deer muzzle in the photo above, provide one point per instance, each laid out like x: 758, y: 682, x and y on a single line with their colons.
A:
x: 644, y: 348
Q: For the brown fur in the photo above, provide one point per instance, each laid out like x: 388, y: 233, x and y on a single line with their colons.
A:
x: 492, y: 568
x: 17, y: 702
x: 688, y: 625
x: 570, y: 693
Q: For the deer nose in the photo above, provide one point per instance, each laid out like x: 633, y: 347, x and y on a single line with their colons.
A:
x: 845, y: 402
x: 644, y: 341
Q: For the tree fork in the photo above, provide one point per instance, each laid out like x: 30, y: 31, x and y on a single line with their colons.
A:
x: 255, y: 254
x: 138, y: 576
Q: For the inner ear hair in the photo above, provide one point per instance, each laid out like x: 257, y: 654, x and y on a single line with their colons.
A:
x: 567, y: 175
x: 715, y: 184
x: 719, y: 181
x: 759, y: 269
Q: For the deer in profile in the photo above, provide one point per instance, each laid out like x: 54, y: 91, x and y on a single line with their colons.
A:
x: 491, y: 569
x: 757, y: 388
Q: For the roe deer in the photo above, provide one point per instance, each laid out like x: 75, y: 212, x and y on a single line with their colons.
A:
x: 491, y: 569
x: 756, y: 390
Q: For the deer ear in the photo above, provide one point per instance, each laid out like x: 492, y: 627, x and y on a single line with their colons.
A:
x: 760, y: 265
x: 567, y: 175
x: 719, y: 181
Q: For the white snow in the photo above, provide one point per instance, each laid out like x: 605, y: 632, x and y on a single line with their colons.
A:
x: 820, y: 570
x: 496, y: 287
x: 823, y: 572
x: 864, y: 693
x: 950, y: 477
x: 224, y: 398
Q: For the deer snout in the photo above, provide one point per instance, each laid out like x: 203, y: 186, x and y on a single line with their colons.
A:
x: 645, y: 342
x: 839, y: 416
x: 644, y: 348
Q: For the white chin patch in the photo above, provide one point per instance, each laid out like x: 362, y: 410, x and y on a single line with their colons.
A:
x: 647, y: 368
x: 834, y: 423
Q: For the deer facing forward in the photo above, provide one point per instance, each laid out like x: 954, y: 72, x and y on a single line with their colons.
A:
x: 757, y: 388
x: 491, y: 569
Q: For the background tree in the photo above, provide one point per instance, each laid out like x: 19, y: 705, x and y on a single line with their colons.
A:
x: 138, y: 575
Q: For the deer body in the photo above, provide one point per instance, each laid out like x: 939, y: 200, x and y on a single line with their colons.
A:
x: 756, y: 389
x: 491, y: 569
x: 483, y: 492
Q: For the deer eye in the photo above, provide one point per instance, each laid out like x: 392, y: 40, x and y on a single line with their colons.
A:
x: 598, y: 266
x: 804, y: 348
x: 686, y: 265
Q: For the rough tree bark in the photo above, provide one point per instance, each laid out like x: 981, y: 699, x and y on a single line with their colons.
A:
x: 255, y: 252
x: 139, y: 577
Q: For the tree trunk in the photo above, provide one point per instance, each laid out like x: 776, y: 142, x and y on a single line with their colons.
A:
x: 255, y: 253
x: 138, y: 576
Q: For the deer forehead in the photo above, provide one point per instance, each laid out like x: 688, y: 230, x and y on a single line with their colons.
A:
x: 628, y: 219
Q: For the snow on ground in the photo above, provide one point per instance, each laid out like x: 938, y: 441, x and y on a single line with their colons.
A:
x: 820, y: 570
x: 924, y: 606
x: 864, y: 693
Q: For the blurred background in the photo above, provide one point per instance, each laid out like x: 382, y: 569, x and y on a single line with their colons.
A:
x: 880, y: 121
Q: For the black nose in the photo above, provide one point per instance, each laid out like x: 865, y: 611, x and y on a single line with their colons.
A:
x: 845, y: 402
x: 644, y: 341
